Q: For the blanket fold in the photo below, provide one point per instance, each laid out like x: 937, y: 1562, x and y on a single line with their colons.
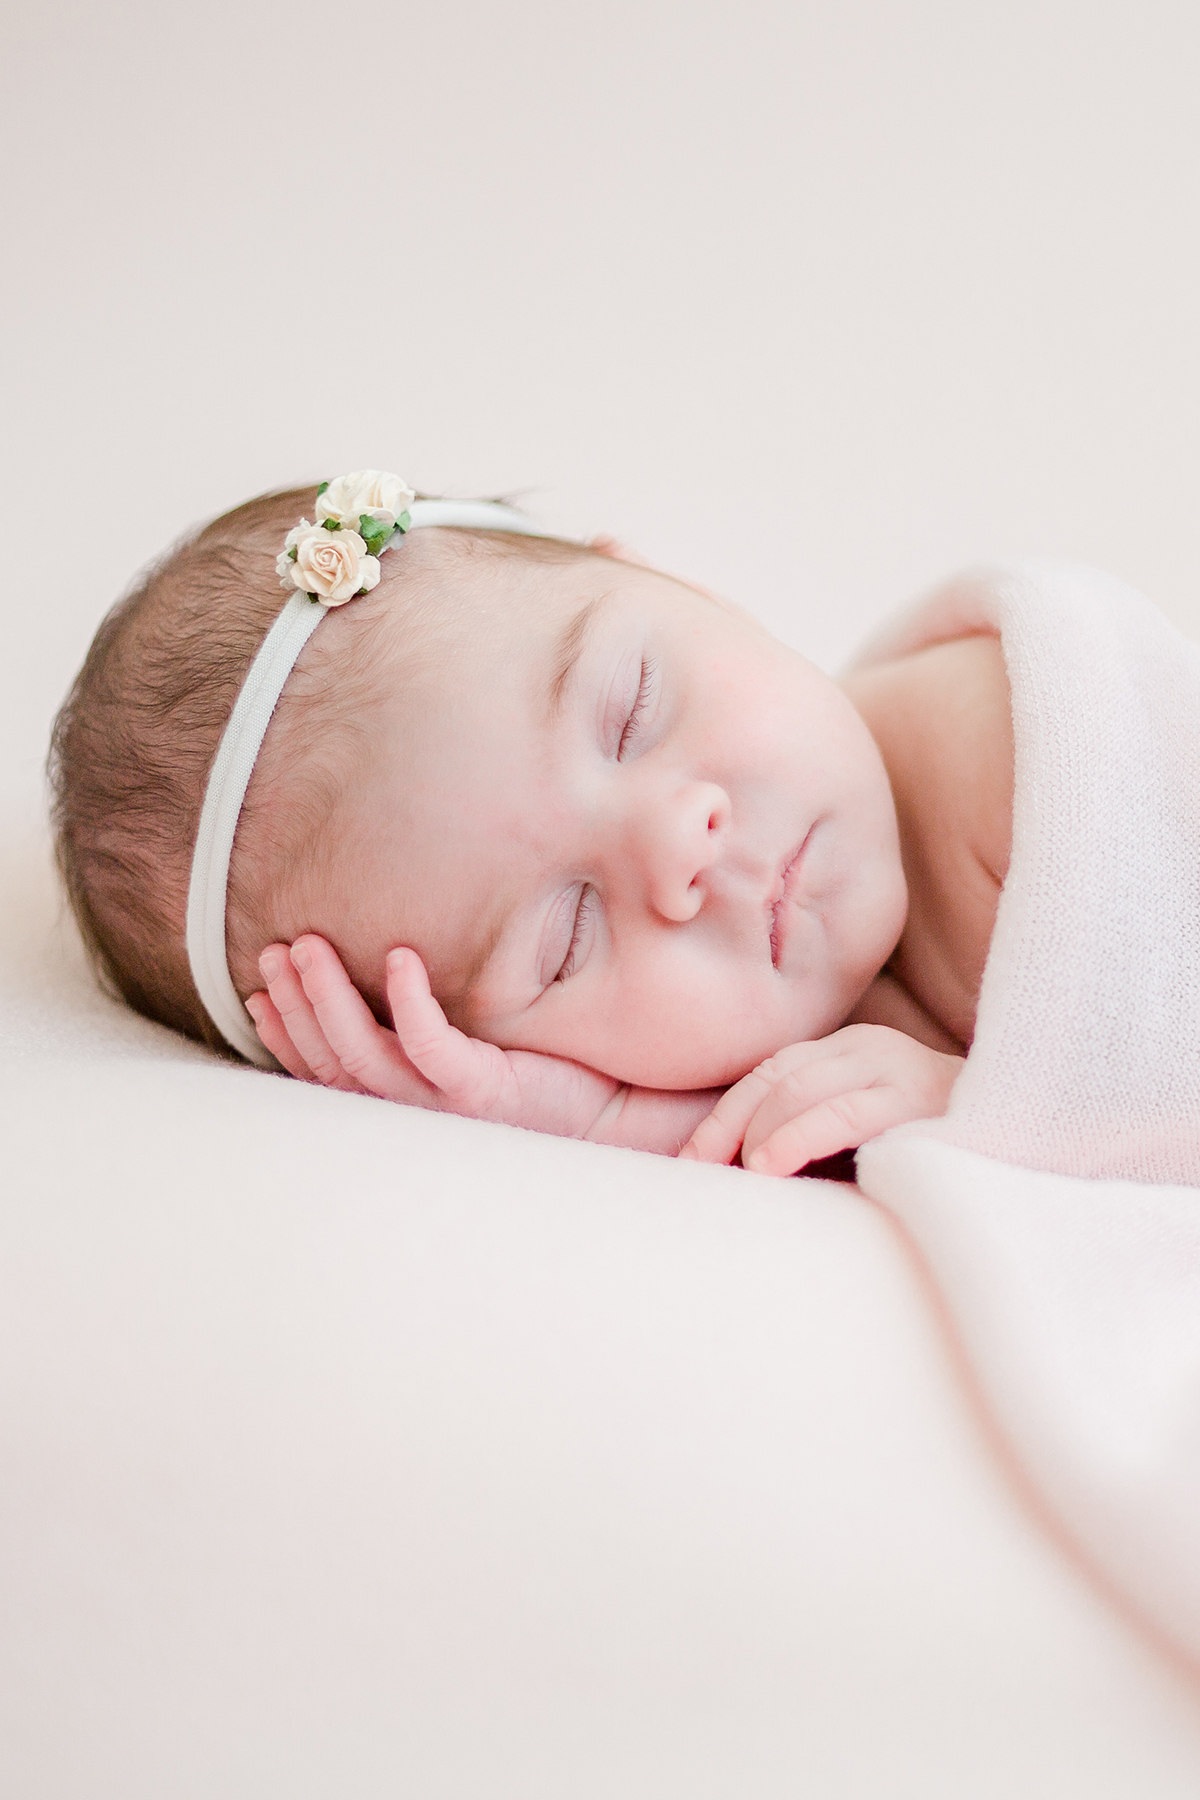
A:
x: 1058, y: 1201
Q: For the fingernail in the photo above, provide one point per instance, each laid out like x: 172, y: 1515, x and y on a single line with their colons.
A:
x: 301, y: 958
x: 254, y: 1008
x: 270, y: 965
x: 689, y: 1153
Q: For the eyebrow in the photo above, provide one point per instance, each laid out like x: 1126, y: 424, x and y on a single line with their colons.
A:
x: 567, y: 652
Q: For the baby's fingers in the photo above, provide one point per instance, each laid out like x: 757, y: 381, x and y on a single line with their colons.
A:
x: 473, y: 1078
x: 772, y: 1093
x: 299, y: 1020
x: 718, y: 1138
x: 841, y: 1123
x: 273, y: 1034
x: 369, y: 1055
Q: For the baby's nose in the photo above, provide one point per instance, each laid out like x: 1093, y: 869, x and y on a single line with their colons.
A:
x: 683, y: 842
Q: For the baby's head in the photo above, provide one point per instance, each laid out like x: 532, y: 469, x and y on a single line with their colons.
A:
x: 617, y: 819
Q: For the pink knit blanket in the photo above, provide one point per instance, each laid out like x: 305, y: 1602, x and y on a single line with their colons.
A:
x: 1057, y: 1204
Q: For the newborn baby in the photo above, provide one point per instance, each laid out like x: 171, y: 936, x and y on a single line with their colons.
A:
x: 611, y: 860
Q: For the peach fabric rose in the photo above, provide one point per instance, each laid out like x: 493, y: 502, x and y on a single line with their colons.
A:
x: 333, y: 565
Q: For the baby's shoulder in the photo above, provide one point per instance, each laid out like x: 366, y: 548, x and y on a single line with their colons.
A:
x: 942, y: 717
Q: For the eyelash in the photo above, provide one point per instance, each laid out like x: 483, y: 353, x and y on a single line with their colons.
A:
x: 581, y: 912
x: 649, y: 670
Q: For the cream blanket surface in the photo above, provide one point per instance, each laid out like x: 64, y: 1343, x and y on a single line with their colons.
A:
x: 1057, y: 1204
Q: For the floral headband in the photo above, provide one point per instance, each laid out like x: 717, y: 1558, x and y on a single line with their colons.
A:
x: 322, y: 565
x: 358, y: 518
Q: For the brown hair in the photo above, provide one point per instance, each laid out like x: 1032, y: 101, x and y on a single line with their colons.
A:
x: 134, y: 740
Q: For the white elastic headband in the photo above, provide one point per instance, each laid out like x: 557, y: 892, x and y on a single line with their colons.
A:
x: 234, y: 763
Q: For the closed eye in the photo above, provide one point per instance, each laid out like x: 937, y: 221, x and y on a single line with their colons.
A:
x: 645, y: 690
x: 582, y: 915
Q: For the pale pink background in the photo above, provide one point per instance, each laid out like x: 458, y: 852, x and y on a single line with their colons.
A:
x: 816, y: 302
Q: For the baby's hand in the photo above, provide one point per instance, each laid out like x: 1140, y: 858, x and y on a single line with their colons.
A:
x: 314, y: 1021
x: 812, y: 1100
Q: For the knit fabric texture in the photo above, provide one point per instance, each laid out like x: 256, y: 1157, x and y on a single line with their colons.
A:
x: 1057, y: 1203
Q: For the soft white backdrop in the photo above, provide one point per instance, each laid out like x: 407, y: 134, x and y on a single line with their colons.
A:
x: 814, y: 303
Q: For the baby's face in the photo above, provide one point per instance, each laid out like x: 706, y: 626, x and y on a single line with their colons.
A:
x: 622, y: 824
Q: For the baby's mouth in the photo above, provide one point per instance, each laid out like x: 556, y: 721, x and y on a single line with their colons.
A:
x: 786, y: 887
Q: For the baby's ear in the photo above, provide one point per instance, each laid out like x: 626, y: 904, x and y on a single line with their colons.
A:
x: 611, y: 546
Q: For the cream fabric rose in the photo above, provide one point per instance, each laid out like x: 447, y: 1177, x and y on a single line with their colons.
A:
x: 284, y: 563
x: 381, y: 496
x: 333, y: 565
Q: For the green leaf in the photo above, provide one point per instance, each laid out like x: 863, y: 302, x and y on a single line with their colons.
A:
x: 332, y: 524
x: 374, y: 533
x: 321, y: 489
x: 292, y: 554
x: 404, y: 521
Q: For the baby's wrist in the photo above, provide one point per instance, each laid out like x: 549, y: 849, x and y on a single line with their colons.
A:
x: 601, y: 1130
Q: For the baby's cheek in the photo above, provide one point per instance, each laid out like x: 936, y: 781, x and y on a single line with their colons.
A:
x: 700, y: 1034
x: 688, y: 1020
